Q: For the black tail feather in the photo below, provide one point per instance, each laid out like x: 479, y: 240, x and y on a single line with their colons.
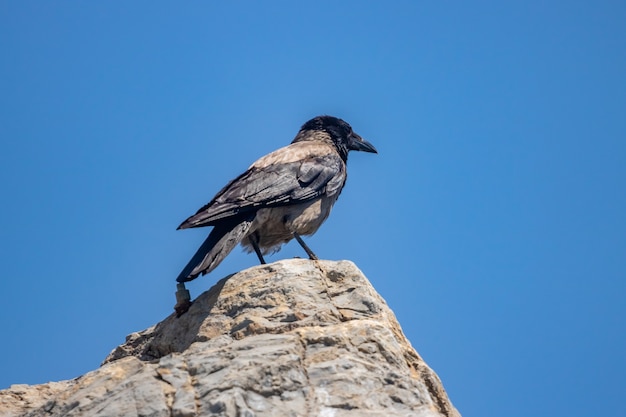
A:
x: 220, y: 242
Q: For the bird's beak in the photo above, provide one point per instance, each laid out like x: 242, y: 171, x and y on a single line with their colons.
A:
x: 360, y: 144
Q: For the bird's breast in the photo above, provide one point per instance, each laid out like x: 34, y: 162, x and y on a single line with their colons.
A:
x: 306, y: 218
x: 275, y: 226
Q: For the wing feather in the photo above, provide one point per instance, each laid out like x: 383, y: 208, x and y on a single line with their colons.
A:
x: 273, y: 185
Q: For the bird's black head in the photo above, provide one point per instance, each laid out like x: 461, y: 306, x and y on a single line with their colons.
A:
x: 336, y: 130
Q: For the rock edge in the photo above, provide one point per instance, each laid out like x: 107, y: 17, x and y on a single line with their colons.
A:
x: 291, y: 338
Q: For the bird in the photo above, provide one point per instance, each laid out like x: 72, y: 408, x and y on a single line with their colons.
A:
x: 284, y: 195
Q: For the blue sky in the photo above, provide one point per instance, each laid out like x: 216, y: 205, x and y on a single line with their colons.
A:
x: 492, y: 220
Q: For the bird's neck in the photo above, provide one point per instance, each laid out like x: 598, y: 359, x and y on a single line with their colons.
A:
x: 321, y: 136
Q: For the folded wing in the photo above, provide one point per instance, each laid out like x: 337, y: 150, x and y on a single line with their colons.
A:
x: 274, y: 185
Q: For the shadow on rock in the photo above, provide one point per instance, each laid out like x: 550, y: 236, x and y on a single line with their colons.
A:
x: 172, y: 334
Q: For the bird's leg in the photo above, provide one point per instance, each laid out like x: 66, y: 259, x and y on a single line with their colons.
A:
x: 308, y: 250
x: 255, y: 245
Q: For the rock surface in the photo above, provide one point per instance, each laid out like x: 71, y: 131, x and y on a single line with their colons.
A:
x: 292, y: 338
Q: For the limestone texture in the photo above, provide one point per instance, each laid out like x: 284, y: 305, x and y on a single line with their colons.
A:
x: 291, y: 338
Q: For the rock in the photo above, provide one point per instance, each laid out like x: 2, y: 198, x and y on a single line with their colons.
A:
x: 292, y: 338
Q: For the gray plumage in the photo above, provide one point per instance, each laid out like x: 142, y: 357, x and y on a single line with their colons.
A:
x: 284, y: 195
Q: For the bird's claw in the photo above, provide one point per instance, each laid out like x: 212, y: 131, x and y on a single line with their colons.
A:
x: 183, y: 299
x: 181, y: 308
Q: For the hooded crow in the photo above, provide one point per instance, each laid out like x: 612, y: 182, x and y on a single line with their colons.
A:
x: 284, y: 195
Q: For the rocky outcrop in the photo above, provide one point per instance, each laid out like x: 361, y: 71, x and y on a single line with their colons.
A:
x: 292, y: 338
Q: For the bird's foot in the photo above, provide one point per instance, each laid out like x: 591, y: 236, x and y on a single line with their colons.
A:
x: 183, y: 299
x: 182, y: 308
x: 308, y: 250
